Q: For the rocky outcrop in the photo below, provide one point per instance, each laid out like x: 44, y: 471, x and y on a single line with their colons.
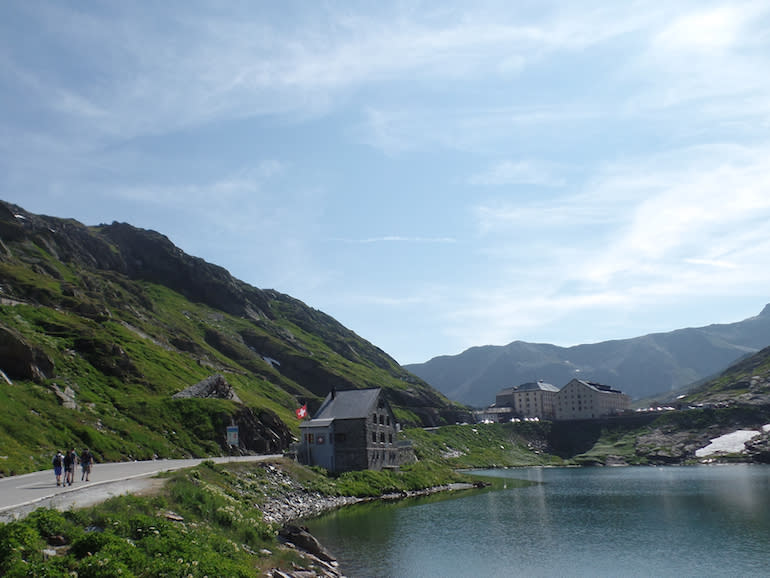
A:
x: 66, y: 396
x: 758, y: 449
x: 303, y: 539
x: 262, y: 433
x: 214, y: 386
x: 151, y: 256
x: 20, y: 360
x: 661, y: 447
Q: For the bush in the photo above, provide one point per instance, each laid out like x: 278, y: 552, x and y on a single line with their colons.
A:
x: 19, y: 543
x: 48, y: 522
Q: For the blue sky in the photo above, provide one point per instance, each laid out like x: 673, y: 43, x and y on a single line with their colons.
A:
x: 435, y: 176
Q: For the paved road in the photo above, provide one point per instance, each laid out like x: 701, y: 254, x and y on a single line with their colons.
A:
x: 19, y: 495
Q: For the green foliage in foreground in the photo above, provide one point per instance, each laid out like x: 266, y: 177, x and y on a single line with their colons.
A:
x: 205, y: 522
x: 137, y: 536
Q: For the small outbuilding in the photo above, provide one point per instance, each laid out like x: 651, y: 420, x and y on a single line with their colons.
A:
x: 352, y: 430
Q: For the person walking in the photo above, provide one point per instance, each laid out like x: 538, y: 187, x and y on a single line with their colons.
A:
x: 70, y: 461
x: 58, y: 464
x: 86, y: 461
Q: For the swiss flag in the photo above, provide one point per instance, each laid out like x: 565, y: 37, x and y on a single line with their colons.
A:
x: 301, y: 412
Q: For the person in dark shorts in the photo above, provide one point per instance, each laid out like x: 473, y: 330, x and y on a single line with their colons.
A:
x: 86, y: 461
x: 58, y: 465
x: 70, y: 461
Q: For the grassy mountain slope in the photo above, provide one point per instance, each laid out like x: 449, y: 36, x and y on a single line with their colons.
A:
x: 642, y: 367
x: 100, y: 326
x: 746, y: 382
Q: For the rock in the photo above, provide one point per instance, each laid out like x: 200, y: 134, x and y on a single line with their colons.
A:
x: 759, y: 448
x: 57, y: 540
x: 67, y: 397
x: 214, y: 386
x: 20, y: 360
x: 304, y: 540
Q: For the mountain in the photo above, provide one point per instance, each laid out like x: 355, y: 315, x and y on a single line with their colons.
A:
x: 101, y: 326
x: 642, y: 366
x: 746, y: 382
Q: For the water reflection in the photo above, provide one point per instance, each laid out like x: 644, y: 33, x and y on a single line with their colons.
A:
x: 683, y: 521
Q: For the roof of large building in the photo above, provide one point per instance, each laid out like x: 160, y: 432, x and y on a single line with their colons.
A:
x: 597, y: 386
x: 348, y: 404
x: 536, y: 385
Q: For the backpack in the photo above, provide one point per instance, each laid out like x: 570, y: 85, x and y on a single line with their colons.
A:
x: 57, y: 461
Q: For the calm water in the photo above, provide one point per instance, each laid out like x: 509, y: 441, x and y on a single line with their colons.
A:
x: 668, y: 521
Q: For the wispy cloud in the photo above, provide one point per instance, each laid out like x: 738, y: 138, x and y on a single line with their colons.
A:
x: 704, y: 213
x: 398, y: 239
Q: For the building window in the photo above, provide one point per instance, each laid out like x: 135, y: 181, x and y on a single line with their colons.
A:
x: 382, y: 437
x: 382, y: 420
x: 390, y: 438
x: 309, y: 438
x: 374, y: 436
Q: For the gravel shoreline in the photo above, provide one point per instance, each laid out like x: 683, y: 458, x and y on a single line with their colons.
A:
x: 288, y: 503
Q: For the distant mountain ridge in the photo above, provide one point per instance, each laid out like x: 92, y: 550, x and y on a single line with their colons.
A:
x: 646, y: 366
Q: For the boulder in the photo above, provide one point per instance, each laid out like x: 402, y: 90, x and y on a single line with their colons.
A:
x: 20, y: 360
x: 214, y: 386
x: 304, y: 540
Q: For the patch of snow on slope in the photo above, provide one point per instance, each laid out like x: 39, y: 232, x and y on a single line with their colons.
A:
x: 732, y: 443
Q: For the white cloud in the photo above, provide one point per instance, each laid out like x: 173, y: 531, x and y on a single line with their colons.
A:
x: 713, y: 28
x: 693, y: 222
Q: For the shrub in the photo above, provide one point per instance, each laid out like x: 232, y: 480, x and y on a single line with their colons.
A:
x: 19, y: 543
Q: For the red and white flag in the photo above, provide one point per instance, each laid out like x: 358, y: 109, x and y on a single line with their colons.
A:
x: 301, y: 412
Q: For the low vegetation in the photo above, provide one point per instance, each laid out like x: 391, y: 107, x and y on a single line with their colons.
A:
x: 205, y: 521
x: 485, y: 445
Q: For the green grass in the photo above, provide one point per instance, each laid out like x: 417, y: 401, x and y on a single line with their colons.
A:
x: 135, y: 536
x: 204, y: 522
x: 125, y: 346
x: 484, y: 445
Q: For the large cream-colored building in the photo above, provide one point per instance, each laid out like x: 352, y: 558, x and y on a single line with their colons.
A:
x: 578, y: 399
x: 585, y: 400
x: 531, y: 399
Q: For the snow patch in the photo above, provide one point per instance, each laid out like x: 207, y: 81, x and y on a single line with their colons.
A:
x: 732, y: 443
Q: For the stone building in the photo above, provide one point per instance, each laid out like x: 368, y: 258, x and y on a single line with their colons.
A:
x: 529, y: 400
x: 352, y: 430
x: 585, y: 400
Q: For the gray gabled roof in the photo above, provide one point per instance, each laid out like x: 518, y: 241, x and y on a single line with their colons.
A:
x: 600, y: 387
x: 536, y: 385
x: 348, y: 404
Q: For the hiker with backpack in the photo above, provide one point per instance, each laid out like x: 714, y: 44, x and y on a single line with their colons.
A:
x: 70, y: 461
x: 86, y: 461
x: 58, y: 462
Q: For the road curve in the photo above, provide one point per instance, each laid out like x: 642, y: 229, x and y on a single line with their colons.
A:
x: 20, y: 495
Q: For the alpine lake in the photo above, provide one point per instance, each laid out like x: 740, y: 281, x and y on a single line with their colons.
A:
x: 707, y: 520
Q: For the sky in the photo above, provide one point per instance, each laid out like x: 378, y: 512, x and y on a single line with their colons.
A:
x: 433, y: 175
